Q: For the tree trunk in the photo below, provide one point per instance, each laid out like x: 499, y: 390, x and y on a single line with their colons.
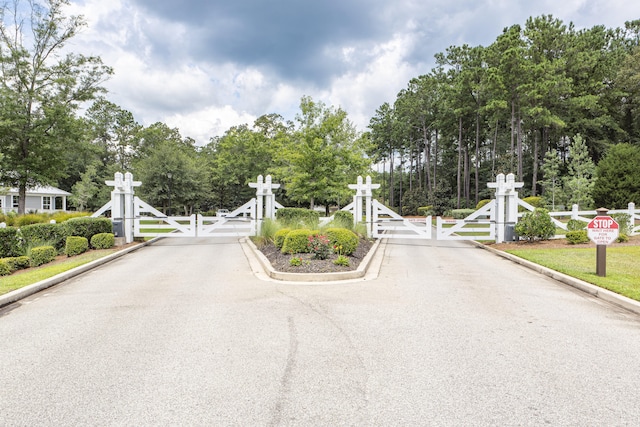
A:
x: 22, y: 198
x: 520, y: 169
x: 458, y: 178
x: 534, y: 179
x: 513, y: 132
x: 477, y: 165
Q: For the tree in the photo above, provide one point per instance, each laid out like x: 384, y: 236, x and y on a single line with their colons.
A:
x: 324, y: 155
x: 579, y: 183
x: 41, y: 89
x: 551, y: 172
x: 84, y: 190
x: 618, y: 177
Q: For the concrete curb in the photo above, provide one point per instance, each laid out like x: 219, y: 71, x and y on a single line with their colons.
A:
x: 18, y: 294
x: 596, y: 291
x: 368, y: 269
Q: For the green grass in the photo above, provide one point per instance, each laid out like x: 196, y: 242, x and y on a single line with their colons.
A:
x: 33, y: 275
x: 623, y: 269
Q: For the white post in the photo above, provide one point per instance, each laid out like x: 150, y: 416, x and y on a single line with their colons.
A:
x: 506, y: 203
x: 632, y: 217
x: 129, y: 185
x: 574, y: 211
x: 265, y: 199
x: 363, y: 191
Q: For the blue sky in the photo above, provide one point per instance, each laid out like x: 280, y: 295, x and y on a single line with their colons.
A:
x: 206, y: 65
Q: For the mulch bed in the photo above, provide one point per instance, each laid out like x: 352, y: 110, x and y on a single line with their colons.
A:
x: 281, y: 262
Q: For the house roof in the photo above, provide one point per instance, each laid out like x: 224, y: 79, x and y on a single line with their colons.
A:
x: 41, y: 191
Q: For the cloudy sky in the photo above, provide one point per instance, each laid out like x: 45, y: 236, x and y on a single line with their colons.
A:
x: 206, y: 65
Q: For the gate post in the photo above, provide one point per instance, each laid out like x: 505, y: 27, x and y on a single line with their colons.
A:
x: 363, y: 190
x: 265, y: 199
x: 506, y: 203
x: 122, y: 198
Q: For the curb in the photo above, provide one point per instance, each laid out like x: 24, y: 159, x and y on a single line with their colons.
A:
x: 18, y: 294
x: 368, y: 268
x: 596, y: 291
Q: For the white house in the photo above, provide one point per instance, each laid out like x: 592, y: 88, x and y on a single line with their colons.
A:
x: 39, y: 199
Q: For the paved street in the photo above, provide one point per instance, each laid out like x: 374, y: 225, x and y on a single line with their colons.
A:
x: 182, y: 333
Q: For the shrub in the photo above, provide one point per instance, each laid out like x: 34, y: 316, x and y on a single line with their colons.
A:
x: 42, y: 255
x: 17, y: 263
x: 346, y: 240
x: 576, y: 237
x: 87, y: 227
x: 535, y: 201
x: 343, y: 219
x: 425, y: 210
x: 103, y: 241
x: 76, y: 245
x: 5, y: 270
x: 341, y: 260
x: 296, y: 241
x: 9, y: 242
x: 29, y: 219
x: 536, y: 225
x: 51, y: 234
x: 624, y: 221
x: 482, y: 203
x: 622, y: 238
x: 461, y: 213
x: 279, y: 236
x: 576, y: 225
x: 318, y: 245
x: 292, y: 217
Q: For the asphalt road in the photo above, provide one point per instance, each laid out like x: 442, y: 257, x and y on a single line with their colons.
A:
x: 182, y: 333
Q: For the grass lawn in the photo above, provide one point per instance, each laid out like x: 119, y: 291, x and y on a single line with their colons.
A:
x: 32, y: 275
x: 623, y: 268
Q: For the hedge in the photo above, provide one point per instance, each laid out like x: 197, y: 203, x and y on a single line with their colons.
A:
x: 296, y: 241
x: 103, y: 241
x: 346, y: 240
x: 298, y: 216
x: 9, y: 242
x: 87, y: 227
x: 50, y: 234
x: 42, y: 255
x: 279, y: 236
x: 17, y: 263
x: 76, y: 245
x: 577, y: 237
x: 343, y: 219
x: 5, y: 270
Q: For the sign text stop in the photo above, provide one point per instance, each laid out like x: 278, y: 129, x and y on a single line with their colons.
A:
x: 603, y: 230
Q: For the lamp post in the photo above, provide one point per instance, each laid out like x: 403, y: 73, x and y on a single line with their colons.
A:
x: 169, y: 210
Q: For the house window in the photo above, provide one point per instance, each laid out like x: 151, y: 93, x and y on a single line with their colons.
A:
x: 46, y: 203
x: 15, y: 202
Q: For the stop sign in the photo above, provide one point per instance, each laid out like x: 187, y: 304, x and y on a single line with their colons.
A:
x: 603, y: 230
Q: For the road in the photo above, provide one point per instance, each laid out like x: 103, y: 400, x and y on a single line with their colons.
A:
x: 182, y: 333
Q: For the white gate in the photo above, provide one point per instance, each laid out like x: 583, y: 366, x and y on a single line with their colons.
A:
x: 239, y: 223
x: 477, y: 226
x: 150, y: 222
x: 388, y: 224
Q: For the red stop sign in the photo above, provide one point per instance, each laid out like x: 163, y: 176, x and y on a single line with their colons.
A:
x: 603, y: 230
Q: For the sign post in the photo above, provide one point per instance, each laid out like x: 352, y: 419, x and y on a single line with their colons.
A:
x: 602, y: 230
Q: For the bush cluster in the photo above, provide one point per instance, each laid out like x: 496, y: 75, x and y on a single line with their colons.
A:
x: 103, y: 241
x: 76, y: 245
x: 16, y: 263
x: 10, y: 242
x: 345, y: 240
x: 297, y: 216
x: 461, y: 213
x: 576, y: 225
x: 5, y: 270
x: 536, y: 225
x: 279, y: 236
x: 576, y: 237
x: 36, y: 234
x: 425, y: 210
x: 87, y: 227
x: 296, y: 241
x: 42, y: 255
x: 343, y: 219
